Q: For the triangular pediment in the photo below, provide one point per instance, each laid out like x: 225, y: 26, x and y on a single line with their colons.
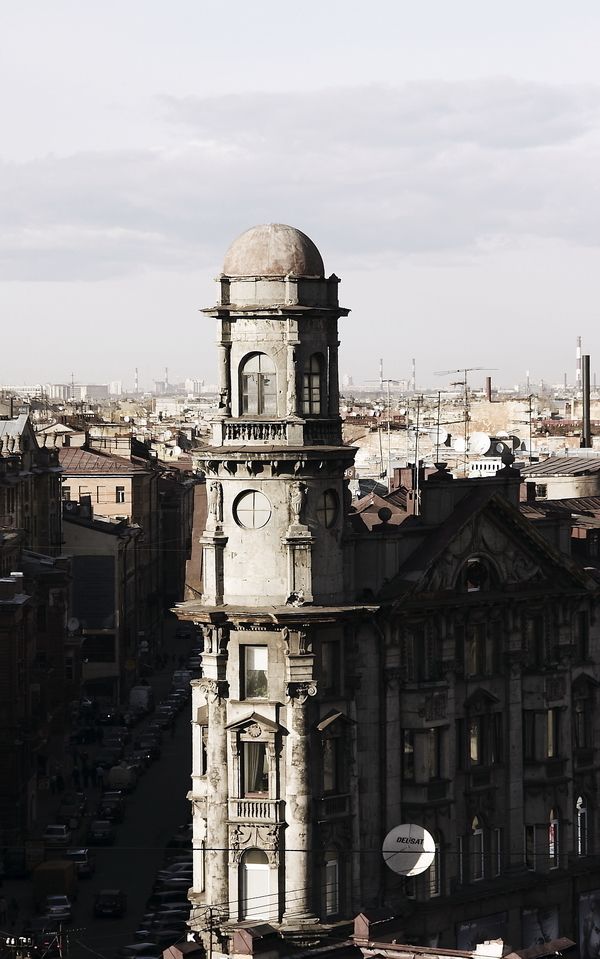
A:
x: 492, y: 531
x: 332, y: 717
x: 480, y: 698
x: 255, y: 719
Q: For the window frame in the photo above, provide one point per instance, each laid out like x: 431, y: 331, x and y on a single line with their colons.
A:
x: 255, y: 399
x: 246, y: 650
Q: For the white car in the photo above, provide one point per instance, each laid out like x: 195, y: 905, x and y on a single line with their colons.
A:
x: 57, y: 835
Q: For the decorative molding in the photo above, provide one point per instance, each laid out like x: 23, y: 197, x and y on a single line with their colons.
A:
x: 215, y: 691
x: 301, y: 691
x: 244, y: 837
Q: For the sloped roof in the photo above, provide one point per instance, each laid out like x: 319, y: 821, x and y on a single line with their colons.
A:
x: 562, y: 466
x: 77, y: 461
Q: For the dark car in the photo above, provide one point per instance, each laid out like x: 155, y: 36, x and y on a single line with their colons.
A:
x: 44, y: 934
x: 110, y: 902
x: 123, y: 732
x: 108, y: 715
x: 194, y: 662
x: 182, y: 838
x: 101, y: 832
x: 176, y: 869
x: 175, y: 897
x: 164, y: 933
x: 181, y: 883
x: 114, y: 742
x: 150, y: 745
x: 175, y: 913
x: 111, y: 809
x: 85, y: 862
x: 141, y: 757
x: 163, y: 718
x: 108, y: 757
x: 58, y: 908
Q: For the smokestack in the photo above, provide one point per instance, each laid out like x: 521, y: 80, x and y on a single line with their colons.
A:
x: 414, y: 377
x: 136, y: 384
x: 586, y: 430
x: 488, y: 388
x: 578, y: 364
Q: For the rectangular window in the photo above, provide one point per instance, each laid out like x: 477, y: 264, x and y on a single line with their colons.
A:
x: 417, y: 660
x: 581, y: 636
x: 497, y: 839
x: 435, y: 884
x: 120, y: 494
x: 530, y: 847
x: 330, y: 666
x: 98, y: 648
x: 332, y: 887
x: 331, y: 751
x: 529, y: 751
x: 459, y: 646
x: 255, y: 667
x: 66, y: 493
x: 69, y: 668
x: 541, y: 491
x: 461, y: 759
x: 476, y: 650
x: 496, y: 738
x: 408, y: 753
x: 41, y: 619
x: 553, y: 856
x: 553, y: 733
x: 582, y: 833
x: 434, y: 752
x: 477, y: 855
x: 475, y: 741
x: 534, y: 641
x: 255, y: 769
x: 582, y: 724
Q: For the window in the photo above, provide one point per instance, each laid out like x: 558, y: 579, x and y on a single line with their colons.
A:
x: 120, y: 494
x: 331, y: 765
x: 477, y: 864
x: 255, y: 885
x: 259, y: 386
x: 475, y: 741
x: 553, y: 733
x: 66, y: 493
x: 435, y: 883
x: 541, y: 491
x: 417, y: 659
x: 41, y: 619
x: 581, y: 635
x: 530, y: 847
x: 332, y: 881
x: 327, y: 508
x: 330, y: 667
x: 496, y: 738
x: 255, y: 769
x: 534, y: 641
x: 311, y: 386
x: 581, y: 825
x: 476, y: 650
x: 69, y: 668
x: 497, y: 840
x: 462, y: 871
x: 477, y: 575
x: 255, y: 666
x: 582, y: 719
x: 99, y: 648
x: 553, y: 851
x: 434, y: 736
x: 408, y: 753
x: 496, y: 639
x: 529, y: 750
x: 252, y: 510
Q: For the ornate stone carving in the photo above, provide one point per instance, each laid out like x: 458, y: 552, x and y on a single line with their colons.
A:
x: 297, y: 499
x: 393, y: 675
x: 215, y: 691
x: 435, y: 706
x: 215, y: 504
x: 301, y: 691
x: 244, y: 837
x: 555, y: 688
x: 254, y: 730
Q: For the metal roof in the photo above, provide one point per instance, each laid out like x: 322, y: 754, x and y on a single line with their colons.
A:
x: 562, y: 466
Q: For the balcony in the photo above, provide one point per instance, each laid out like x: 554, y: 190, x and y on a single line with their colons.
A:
x: 255, y: 810
x: 329, y: 807
x: 254, y: 431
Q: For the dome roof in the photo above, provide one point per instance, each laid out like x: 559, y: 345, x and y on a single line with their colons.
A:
x: 273, y: 249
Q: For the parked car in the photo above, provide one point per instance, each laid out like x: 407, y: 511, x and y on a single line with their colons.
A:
x: 194, y: 662
x: 108, y: 715
x: 164, y: 932
x: 111, y: 809
x: 101, y: 832
x: 58, y: 908
x: 110, y: 902
x: 175, y: 913
x: 58, y: 834
x: 114, y: 742
x: 171, y: 898
x: 181, y: 679
x: 44, y: 933
x: 176, y: 869
x: 85, y: 862
x: 123, y: 732
x: 107, y: 757
x: 163, y: 718
x: 150, y: 745
x: 68, y: 814
x: 141, y: 757
x: 181, y: 883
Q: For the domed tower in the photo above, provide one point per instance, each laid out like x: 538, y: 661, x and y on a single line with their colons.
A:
x: 272, y: 739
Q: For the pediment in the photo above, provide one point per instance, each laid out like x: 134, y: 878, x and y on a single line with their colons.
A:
x: 332, y: 717
x: 253, y: 719
x: 480, y: 698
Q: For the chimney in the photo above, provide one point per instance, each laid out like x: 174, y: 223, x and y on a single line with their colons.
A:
x: 586, y: 430
x: 488, y: 388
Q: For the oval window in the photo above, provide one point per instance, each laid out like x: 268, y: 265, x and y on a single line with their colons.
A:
x: 327, y: 508
x: 252, y: 509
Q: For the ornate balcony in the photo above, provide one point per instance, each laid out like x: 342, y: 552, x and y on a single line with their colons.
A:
x: 255, y: 810
x: 331, y: 806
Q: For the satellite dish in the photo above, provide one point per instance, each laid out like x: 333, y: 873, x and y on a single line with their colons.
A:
x: 516, y: 442
x: 177, y: 451
x: 408, y: 849
x: 479, y: 443
x: 502, y: 434
x: 168, y: 434
x: 460, y: 445
x: 126, y: 419
x: 72, y: 624
x: 500, y: 448
x: 438, y: 436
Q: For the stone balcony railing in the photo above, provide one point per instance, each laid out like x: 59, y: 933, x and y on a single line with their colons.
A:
x: 254, y: 431
x: 331, y: 806
x: 255, y: 810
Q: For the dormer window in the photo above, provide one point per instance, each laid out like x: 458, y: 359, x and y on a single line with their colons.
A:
x: 311, y: 386
x: 258, y: 386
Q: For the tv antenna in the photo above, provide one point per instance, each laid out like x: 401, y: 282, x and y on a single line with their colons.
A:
x: 465, y: 370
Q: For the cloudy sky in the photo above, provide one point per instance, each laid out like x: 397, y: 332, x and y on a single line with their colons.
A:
x: 443, y: 155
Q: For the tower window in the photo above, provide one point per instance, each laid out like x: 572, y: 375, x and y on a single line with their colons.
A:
x: 327, y: 508
x: 259, y: 385
x: 255, y: 769
x: 311, y: 386
x: 255, y: 667
x: 252, y: 510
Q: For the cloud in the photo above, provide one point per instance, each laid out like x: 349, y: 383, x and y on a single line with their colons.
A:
x: 374, y: 174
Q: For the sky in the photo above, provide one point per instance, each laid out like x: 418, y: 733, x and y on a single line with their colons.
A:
x: 443, y: 155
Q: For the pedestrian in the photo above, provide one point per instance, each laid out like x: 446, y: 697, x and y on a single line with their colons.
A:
x: 93, y: 776
x: 85, y: 774
x: 75, y: 776
x: 83, y: 756
x: 60, y: 783
x: 2, y: 911
x: 100, y: 776
x: 12, y: 912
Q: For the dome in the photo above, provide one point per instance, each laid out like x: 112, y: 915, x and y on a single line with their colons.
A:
x: 273, y: 249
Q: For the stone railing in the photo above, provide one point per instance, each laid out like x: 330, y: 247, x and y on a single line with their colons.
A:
x: 255, y: 810
x: 322, y: 433
x: 254, y: 431
x: 330, y: 806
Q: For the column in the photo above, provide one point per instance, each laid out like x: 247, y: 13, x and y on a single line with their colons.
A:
x: 298, y: 835
x: 334, y: 386
x: 217, y: 837
x: 224, y: 368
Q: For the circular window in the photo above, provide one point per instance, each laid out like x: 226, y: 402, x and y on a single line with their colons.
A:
x: 327, y: 508
x: 252, y: 510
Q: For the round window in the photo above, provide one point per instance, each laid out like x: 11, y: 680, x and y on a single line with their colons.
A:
x: 327, y: 508
x: 252, y: 509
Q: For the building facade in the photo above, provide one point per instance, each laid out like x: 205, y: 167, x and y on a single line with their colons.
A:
x: 438, y: 669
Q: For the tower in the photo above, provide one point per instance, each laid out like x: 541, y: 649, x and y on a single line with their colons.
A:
x: 275, y: 603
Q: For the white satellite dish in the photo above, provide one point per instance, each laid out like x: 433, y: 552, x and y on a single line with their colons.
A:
x: 72, y: 624
x: 438, y: 436
x: 502, y: 434
x: 177, y: 451
x: 460, y: 445
x: 479, y: 443
x: 408, y: 849
x: 167, y: 434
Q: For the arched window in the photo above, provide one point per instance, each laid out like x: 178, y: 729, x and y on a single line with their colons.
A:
x: 258, y: 383
x: 311, y: 386
x: 477, y: 869
x: 582, y: 829
x: 255, y: 885
x: 553, y: 851
x: 332, y: 881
